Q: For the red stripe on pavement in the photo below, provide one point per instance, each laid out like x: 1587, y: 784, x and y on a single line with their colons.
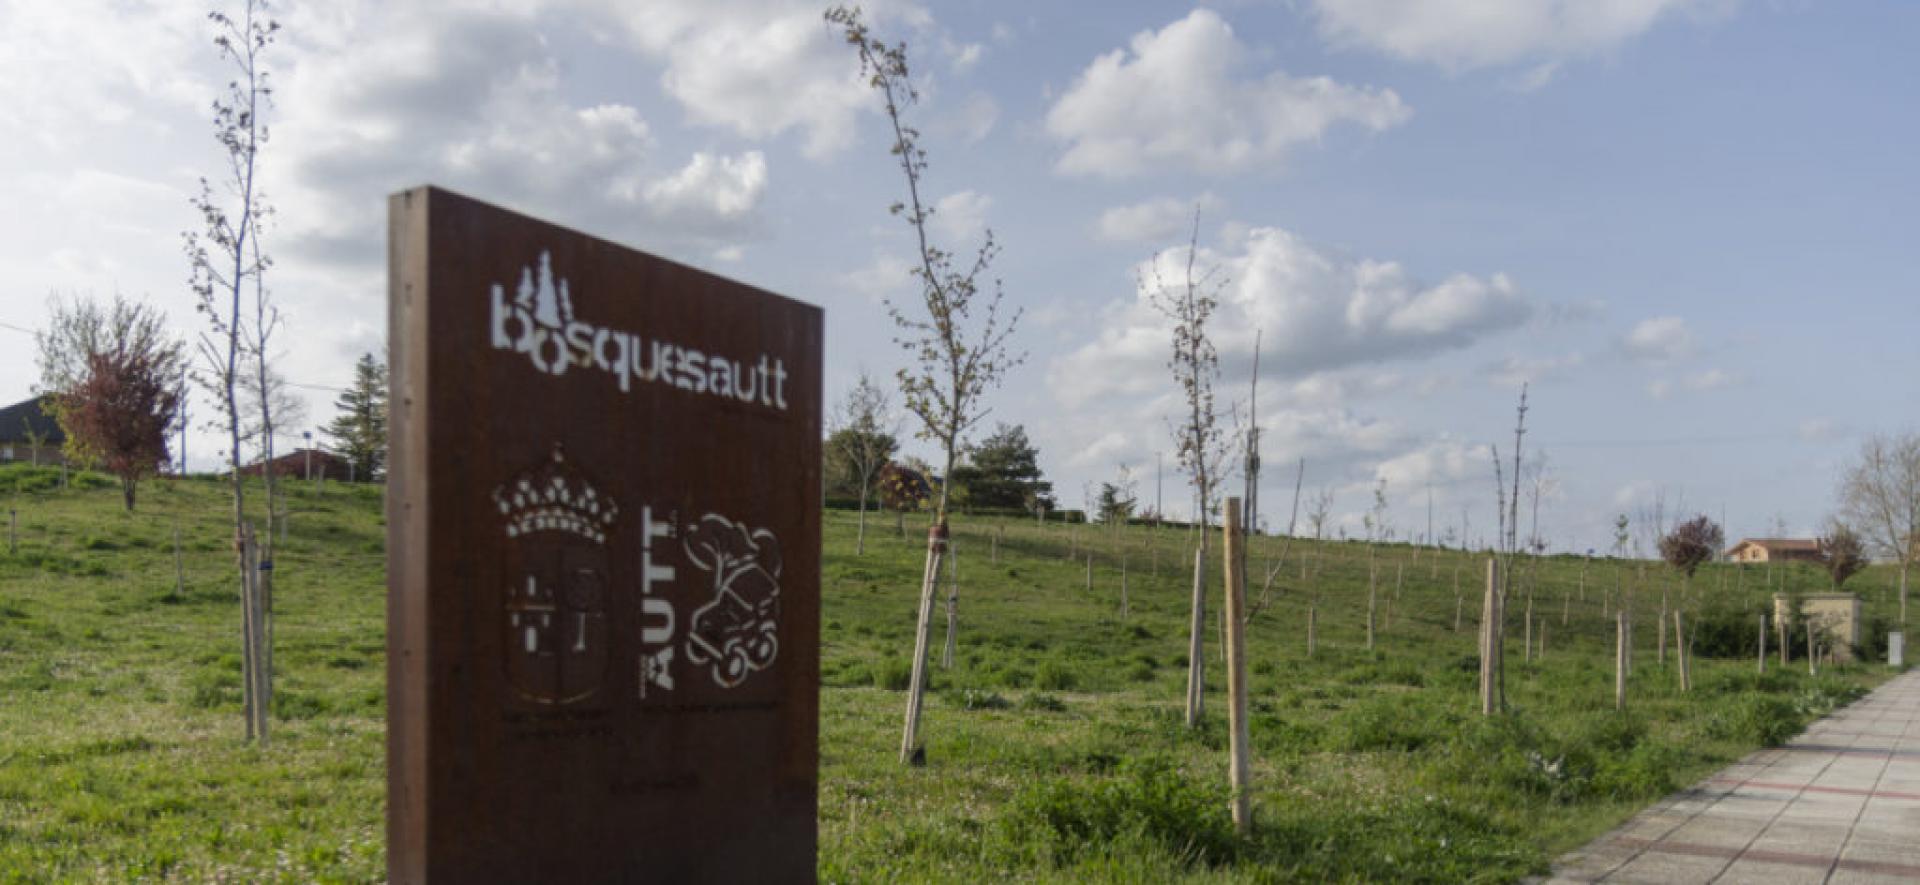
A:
x: 1791, y: 858
x: 1845, y: 791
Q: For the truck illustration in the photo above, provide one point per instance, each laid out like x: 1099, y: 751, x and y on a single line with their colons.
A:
x: 736, y: 632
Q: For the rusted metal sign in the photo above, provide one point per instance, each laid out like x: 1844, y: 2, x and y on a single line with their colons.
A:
x: 604, y: 560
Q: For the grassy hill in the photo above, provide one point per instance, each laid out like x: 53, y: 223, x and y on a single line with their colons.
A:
x: 1055, y: 745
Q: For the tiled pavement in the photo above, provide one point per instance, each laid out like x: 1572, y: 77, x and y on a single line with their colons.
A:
x: 1839, y: 804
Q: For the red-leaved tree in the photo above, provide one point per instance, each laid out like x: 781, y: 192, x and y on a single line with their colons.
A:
x: 118, y: 415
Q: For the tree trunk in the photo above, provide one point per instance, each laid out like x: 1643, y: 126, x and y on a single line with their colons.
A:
x: 126, y: 492
x: 1662, y: 658
x: 1903, y: 590
x: 860, y: 538
x: 1313, y: 629
x: 1123, y: 586
x: 1526, y: 628
x: 1763, y: 644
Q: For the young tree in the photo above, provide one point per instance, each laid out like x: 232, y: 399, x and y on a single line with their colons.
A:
x: 1319, y: 509
x: 862, y: 442
x: 956, y: 334
x: 1691, y: 544
x: 1880, y: 494
x: 1118, y: 499
x: 1843, y: 554
x: 1199, y: 444
x: 225, y: 259
x: 109, y: 373
x: 359, y: 429
x: 270, y: 413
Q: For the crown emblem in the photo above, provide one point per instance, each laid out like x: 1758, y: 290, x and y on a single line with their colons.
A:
x: 555, y: 497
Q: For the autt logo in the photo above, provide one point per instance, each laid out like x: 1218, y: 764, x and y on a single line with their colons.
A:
x: 539, y: 322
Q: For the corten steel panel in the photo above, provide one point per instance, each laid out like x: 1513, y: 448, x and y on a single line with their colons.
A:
x: 603, y: 586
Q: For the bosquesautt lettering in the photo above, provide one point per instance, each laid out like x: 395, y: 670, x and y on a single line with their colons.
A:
x: 539, y: 322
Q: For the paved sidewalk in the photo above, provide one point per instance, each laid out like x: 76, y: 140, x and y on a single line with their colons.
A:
x: 1840, y: 804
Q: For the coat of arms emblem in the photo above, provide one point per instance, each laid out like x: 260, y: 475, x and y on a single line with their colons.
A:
x: 556, y: 597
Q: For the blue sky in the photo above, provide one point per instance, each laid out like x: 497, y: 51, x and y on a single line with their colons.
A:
x: 1688, y: 223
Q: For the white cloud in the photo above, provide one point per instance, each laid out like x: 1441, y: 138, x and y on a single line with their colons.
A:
x: 1704, y: 381
x: 1517, y: 370
x: 757, y: 67
x: 1464, y: 34
x: 1162, y: 219
x: 972, y: 121
x: 1714, y: 379
x: 961, y: 215
x: 711, y: 191
x: 1172, y: 99
x: 1319, y: 311
x: 1819, y: 430
x: 474, y: 99
x: 1440, y: 463
x: 884, y: 276
x: 1659, y: 340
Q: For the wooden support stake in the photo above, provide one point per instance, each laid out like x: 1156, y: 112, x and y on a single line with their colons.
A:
x: 1490, y: 638
x: 1763, y: 643
x: 1620, y: 660
x: 1313, y: 629
x: 916, y: 690
x: 1196, y: 662
x: 1680, y: 652
x: 953, y: 606
x: 1241, y: 771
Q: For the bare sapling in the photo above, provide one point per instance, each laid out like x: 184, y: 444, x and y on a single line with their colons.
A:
x: 1200, y: 445
x: 956, y: 333
x: 865, y: 439
x: 1880, y: 495
x: 225, y: 259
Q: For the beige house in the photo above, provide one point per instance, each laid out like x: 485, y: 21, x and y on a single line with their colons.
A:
x: 1774, y: 550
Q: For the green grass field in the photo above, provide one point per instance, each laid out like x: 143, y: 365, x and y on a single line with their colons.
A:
x: 1055, y: 745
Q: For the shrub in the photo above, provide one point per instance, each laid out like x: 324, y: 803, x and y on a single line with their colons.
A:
x: 1148, y: 800
x: 893, y: 674
x: 1042, y: 702
x: 1760, y: 719
x: 1052, y: 676
x: 1385, y: 723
